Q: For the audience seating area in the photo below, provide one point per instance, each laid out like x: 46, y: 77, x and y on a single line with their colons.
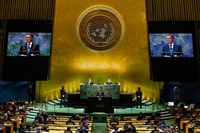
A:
x: 139, y: 124
x: 13, y: 118
x: 61, y: 123
x: 188, y: 119
x: 13, y: 115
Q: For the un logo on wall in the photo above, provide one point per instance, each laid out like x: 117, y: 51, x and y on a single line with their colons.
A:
x: 100, y: 28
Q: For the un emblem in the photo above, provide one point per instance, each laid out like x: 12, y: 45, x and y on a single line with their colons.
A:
x: 100, y: 28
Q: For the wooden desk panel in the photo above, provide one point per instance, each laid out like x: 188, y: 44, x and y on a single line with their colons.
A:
x: 9, y: 125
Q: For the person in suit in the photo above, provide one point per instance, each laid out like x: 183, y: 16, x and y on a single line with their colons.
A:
x: 70, y: 122
x: 171, y: 49
x: 100, y: 94
x: 29, y: 48
x: 30, y: 94
x: 108, y: 81
x: 90, y: 82
x: 176, y: 96
x: 82, y: 129
x: 139, y: 97
x: 62, y: 96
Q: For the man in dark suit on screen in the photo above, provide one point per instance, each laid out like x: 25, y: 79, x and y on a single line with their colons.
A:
x: 29, y: 48
x: 172, y: 49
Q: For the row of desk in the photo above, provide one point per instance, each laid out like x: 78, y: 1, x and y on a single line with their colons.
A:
x: 10, y: 124
x: 60, y: 125
x: 188, y: 126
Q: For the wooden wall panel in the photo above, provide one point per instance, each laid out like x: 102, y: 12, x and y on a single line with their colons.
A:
x: 73, y: 63
x: 27, y: 9
x: 173, y: 10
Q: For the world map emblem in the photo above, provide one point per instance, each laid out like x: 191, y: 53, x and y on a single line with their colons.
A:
x: 100, y: 29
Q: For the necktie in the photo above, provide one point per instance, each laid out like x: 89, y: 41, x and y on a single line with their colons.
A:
x: 170, y: 48
x: 28, y: 47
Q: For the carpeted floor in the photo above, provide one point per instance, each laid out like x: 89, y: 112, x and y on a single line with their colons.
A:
x: 99, y: 127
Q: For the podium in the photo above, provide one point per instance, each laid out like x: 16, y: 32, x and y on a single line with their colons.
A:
x: 95, y: 104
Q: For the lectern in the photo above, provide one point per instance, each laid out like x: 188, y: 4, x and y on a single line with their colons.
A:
x: 103, y: 104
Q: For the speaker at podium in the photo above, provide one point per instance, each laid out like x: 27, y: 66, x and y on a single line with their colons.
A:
x: 99, y: 104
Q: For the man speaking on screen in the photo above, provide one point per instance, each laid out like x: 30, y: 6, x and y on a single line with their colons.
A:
x: 29, y: 48
x: 171, y: 49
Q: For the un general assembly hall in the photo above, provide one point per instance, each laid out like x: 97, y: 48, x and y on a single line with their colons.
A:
x: 100, y: 66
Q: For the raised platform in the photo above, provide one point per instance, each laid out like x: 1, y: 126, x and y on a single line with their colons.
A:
x: 125, y: 100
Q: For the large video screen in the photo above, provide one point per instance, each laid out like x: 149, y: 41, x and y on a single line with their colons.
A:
x: 27, y: 50
x: 18, y: 44
x: 173, y: 51
x: 171, y: 45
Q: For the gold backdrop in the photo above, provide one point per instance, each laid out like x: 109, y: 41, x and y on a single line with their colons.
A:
x: 72, y: 63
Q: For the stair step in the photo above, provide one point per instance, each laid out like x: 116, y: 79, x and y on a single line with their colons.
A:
x: 56, y: 101
x: 164, y: 115
x: 149, y: 103
x: 30, y: 116
x: 34, y: 111
x: 164, y: 112
x: 30, y: 113
x: 144, y: 101
x: 166, y: 118
x: 51, y: 103
x: 59, y: 99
